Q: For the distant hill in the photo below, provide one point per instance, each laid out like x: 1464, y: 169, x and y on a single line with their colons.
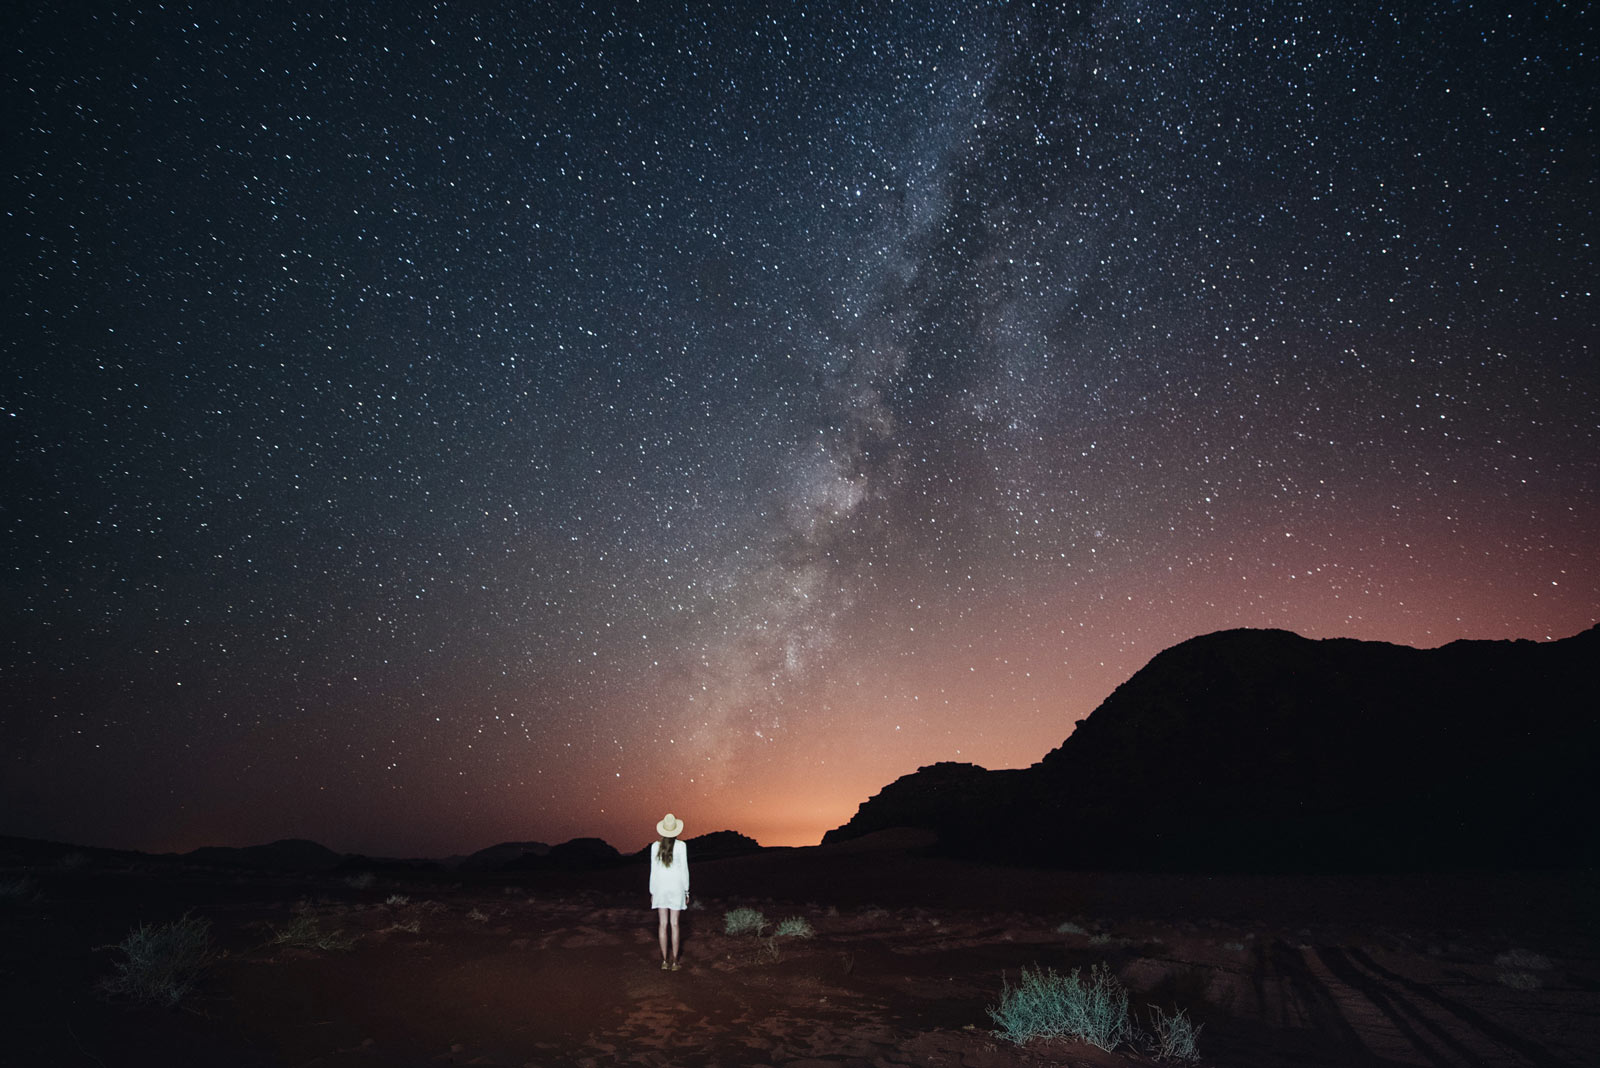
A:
x: 936, y: 797
x: 587, y: 854
x: 288, y: 854
x: 498, y: 856
x: 713, y: 845
x: 1263, y: 750
x: 578, y: 854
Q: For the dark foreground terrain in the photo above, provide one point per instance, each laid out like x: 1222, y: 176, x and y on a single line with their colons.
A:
x: 909, y: 953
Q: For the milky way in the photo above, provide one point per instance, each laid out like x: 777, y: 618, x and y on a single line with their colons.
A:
x: 438, y: 427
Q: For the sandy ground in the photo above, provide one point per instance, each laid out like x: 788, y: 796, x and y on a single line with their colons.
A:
x: 909, y: 954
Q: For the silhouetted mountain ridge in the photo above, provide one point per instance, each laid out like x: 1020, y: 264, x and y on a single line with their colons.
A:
x: 498, y: 856
x: 302, y: 856
x: 286, y: 854
x: 1261, y: 749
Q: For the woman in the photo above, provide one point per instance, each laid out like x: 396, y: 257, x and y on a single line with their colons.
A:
x: 669, y: 884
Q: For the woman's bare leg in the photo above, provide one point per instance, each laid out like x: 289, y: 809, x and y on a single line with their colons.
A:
x: 661, y: 931
x: 674, y: 914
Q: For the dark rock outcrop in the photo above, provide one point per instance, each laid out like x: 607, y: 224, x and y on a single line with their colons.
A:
x: 578, y: 854
x: 950, y: 798
x: 1263, y: 750
x: 496, y: 857
x: 718, y: 844
x: 711, y: 846
x: 288, y: 854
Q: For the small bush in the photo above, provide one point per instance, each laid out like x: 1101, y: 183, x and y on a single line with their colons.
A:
x: 1521, y: 980
x: 396, y: 900
x: 1068, y: 927
x: 162, y: 964
x: 1047, y: 1005
x: 1523, y: 961
x: 796, y: 927
x: 744, y: 921
x: 478, y: 916
x: 17, y: 891
x: 1173, y: 1035
x: 1522, y: 968
x: 363, y: 881
x: 304, y: 932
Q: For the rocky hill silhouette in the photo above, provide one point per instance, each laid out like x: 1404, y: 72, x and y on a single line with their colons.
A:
x: 713, y: 845
x: 286, y: 854
x: 577, y: 854
x: 1264, y: 750
x: 496, y: 857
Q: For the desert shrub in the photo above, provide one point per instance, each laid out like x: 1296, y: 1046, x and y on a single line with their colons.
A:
x: 1523, y: 960
x: 1522, y: 968
x: 1173, y: 1035
x: 396, y: 900
x: 796, y: 927
x: 363, y: 881
x: 162, y: 963
x: 1047, y: 1005
x: 1521, y: 980
x: 411, y: 926
x: 1068, y: 927
x: 305, y: 932
x: 744, y: 921
x: 17, y: 891
x: 478, y: 915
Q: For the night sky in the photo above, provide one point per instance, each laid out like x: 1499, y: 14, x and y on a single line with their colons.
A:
x: 433, y: 425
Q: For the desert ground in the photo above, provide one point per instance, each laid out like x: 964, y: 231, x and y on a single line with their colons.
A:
x: 909, y: 953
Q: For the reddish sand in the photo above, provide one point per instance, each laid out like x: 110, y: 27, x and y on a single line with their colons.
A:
x: 909, y: 953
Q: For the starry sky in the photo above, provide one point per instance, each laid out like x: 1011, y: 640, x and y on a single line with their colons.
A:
x: 430, y: 425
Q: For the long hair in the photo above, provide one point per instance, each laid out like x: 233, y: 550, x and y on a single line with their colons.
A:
x: 665, y: 852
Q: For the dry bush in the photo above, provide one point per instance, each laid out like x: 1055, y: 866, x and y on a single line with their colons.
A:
x: 1173, y: 1035
x: 795, y: 927
x: 1523, y: 969
x: 1047, y: 1005
x: 18, y: 890
x: 744, y: 921
x: 305, y: 932
x: 163, y: 963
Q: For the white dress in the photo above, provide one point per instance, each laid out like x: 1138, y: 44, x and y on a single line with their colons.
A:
x: 669, y: 887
